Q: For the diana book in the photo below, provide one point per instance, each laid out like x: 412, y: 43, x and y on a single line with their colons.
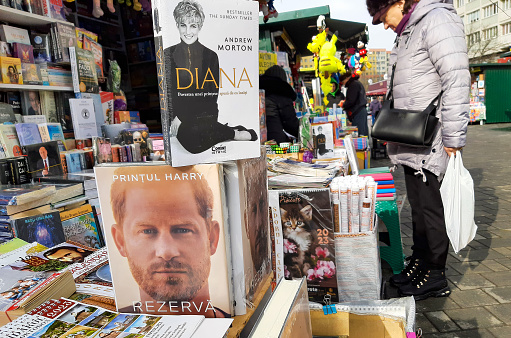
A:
x: 207, y: 59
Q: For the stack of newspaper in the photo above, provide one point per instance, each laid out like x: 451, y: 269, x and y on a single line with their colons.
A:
x: 288, y: 173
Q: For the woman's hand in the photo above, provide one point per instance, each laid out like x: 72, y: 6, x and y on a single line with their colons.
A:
x: 451, y: 151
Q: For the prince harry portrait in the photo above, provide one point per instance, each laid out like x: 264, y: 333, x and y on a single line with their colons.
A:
x: 165, y: 233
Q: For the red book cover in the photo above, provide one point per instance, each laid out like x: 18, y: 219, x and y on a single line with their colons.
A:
x: 386, y: 186
x: 23, y: 52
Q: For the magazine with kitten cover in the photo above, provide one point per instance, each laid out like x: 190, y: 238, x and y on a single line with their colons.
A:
x: 308, y: 239
x: 247, y: 202
x: 167, y: 238
x: 207, y: 61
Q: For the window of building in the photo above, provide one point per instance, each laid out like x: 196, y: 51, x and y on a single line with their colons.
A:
x: 490, y: 10
x: 506, y: 4
x: 460, y: 2
x: 473, y: 38
x: 473, y: 17
x: 490, y: 33
x: 506, y: 28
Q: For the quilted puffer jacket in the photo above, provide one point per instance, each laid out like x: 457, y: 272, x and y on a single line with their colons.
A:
x: 431, y: 56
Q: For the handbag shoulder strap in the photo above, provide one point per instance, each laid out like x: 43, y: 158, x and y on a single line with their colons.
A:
x: 391, y: 87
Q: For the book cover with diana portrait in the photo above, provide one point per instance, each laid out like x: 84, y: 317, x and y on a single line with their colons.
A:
x: 208, y: 70
x: 164, y: 229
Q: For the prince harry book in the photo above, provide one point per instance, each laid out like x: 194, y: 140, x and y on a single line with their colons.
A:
x: 166, y: 233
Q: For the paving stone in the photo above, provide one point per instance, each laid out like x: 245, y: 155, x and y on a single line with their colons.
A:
x: 495, y: 266
x: 471, y: 298
x: 500, y: 331
x: 436, y: 304
x: 502, y: 294
x: 425, y: 325
x: 470, y: 267
x: 496, y: 242
x: 501, y: 311
x: 473, y: 318
x: 499, y: 232
x: 476, y: 245
x: 477, y: 255
x: 504, y: 251
x: 504, y: 261
x: 441, y: 321
x: 470, y: 281
x: 499, y: 278
x: 481, y: 333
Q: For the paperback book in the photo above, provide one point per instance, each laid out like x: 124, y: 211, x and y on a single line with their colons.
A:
x: 45, y: 229
x: 166, y: 224
x: 204, y: 77
x: 44, y: 159
x: 80, y: 226
x: 247, y: 201
x: 9, y: 140
x: 28, y: 133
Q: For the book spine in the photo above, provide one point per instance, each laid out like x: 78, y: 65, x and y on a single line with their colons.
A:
x: 63, y: 162
x: 5, y: 173
x: 115, y: 154
x: 278, y: 236
x: 46, y: 8
x: 45, y: 135
x: 165, y: 103
x: 74, y: 69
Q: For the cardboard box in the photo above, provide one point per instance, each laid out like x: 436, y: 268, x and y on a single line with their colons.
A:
x: 345, y: 324
x: 12, y: 34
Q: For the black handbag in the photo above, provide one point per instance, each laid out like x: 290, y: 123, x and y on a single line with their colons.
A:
x: 411, y: 127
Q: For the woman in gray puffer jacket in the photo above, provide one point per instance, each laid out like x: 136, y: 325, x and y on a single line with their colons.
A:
x: 430, y: 54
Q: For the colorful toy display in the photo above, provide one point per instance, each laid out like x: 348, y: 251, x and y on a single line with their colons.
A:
x: 268, y: 10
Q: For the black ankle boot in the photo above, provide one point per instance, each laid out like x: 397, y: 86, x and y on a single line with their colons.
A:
x: 412, y: 270
x: 431, y: 283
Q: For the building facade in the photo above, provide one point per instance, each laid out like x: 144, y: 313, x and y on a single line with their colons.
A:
x: 487, y: 27
x: 379, y: 59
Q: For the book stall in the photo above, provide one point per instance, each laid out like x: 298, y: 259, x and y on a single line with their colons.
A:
x: 140, y: 194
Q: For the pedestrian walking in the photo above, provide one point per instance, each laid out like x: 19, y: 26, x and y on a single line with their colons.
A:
x: 429, y: 57
x: 374, y: 107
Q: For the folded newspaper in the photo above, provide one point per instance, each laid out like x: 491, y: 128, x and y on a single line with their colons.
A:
x: 288, y: 166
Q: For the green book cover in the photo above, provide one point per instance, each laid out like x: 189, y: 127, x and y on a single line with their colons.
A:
x: 11, y: 245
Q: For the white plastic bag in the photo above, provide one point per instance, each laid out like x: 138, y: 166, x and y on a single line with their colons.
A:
x: 457, y: 192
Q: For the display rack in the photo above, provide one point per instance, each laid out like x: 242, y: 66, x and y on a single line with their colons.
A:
x: 18, y: 87
x: 22, y: 18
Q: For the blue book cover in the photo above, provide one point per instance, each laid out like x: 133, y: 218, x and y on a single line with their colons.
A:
x: 385, y: 191
x: 384, y: 182
x: 45, y: 229
x: 28, y: 133
x: 73, y: 162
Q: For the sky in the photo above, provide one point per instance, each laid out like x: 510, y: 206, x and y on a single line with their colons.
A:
x: 349, y: 10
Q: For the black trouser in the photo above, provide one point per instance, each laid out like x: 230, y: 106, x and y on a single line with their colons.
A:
x: 430, y: 241
x: 203, y: 133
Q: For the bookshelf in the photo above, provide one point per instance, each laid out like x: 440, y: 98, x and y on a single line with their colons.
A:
x: 22, y: 18
x: 18, y: 87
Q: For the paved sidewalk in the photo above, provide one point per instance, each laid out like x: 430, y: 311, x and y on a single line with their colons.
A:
x: 479, y: 275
